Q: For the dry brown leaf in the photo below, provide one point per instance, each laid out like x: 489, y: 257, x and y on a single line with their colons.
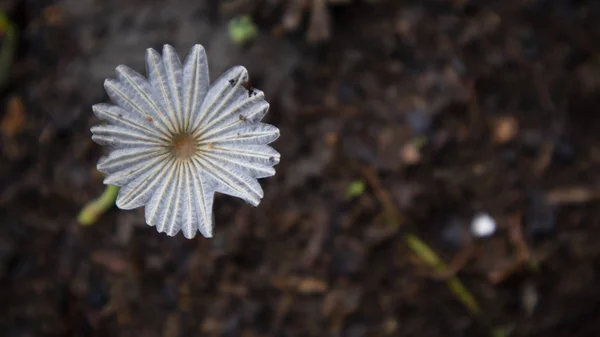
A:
x: 14, y: 120
x: 112, y: 261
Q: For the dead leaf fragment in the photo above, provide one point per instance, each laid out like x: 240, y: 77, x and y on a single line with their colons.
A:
x: 312, y: 286
x: 112, y: 261
x: 410, y: 154
x: 53, y: 15
x: 308, y: 285
x: 172, y: 326
x: 14, y: 121
x: 319, y: 28
x: 505, y: 129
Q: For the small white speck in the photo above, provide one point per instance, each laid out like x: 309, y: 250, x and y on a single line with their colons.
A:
x: 483, y: 225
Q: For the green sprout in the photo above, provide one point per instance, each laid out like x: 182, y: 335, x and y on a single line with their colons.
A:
x: 92, y: 211
x: 454, y: 284
x: 355, y: 189
x: 242, y: 30
x: 8, y: 44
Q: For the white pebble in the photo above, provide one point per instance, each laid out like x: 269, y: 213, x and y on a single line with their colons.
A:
x: 483, y: 225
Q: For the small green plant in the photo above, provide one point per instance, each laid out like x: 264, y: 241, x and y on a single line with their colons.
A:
x: 355, y: 189
x: 8, y: 44
x: 92, y: 211
x: 428, y: 256
x: 242, y: 30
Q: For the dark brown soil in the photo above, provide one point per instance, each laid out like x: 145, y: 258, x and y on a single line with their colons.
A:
x: 444, y: 109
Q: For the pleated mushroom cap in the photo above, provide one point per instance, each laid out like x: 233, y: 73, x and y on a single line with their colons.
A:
x: 175, y: 140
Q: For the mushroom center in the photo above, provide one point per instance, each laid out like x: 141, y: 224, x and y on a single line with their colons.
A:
x: 184, y: 146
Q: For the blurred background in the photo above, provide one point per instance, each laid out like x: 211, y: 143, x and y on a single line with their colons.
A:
x: 439, y: 177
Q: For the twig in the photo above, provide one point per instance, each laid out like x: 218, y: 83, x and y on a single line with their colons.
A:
x: 383, y: 196
x: 524, y: 256
x: 571, y: 195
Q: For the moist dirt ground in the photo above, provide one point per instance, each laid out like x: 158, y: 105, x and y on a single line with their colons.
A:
x: 397, y: 118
